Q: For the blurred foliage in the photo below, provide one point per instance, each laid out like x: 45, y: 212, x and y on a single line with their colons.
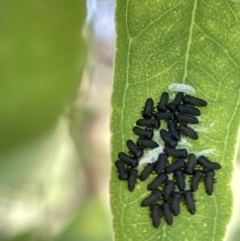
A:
x: 41, y: 60
x: 42, y: 56
x: 91, y: 223
x: 26, y: 237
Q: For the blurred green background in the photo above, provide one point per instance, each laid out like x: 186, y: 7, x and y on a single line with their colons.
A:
x: 55, y: 87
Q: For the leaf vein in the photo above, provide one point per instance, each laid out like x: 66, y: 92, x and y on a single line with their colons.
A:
x: 229, y: 124
x: 205, y: 94
x: 156, y: 20
x: 127, y: 77
x: 164, y: 71
x: 234, y: 14
x: 215, y: 218
x: 218, y: 44
x: 189, y: 40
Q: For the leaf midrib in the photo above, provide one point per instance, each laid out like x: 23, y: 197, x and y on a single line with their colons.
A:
x: 189, y: 41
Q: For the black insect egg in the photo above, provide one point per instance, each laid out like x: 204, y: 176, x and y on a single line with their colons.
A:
x: 168, y: 189
x: 176, y: 102
x: 156, y: 213
x: 147, y: 143
x: 148, y: 109
x: 128, y: 160
x: 160, y: 163
x: 182, y: 153
x: 148, y: 134
x: 150, y: 123
x: 168, y: 215
x: 147, y: 171
x: 190, y: 100
x: 167, y: 138
x: 164, y: 116
x: 132, y: 178
x: 160, y: 179
x: 189, y: 200
x: 134, y: 149
x: 186, y: 119
x: 175, y: 203
x: 162, y: 105
x: 172, y: 128
x: 172, y: 173
x: 122, y: 172
x: 185, y: 130
x: 178, y: 164
x: 153, y: 197
x: 191, y: 164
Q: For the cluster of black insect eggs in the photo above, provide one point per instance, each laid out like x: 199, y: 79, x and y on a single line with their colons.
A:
x: 174, y: 168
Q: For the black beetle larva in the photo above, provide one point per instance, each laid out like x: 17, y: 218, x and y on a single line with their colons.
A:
x: 162, y: 105
x: 155, y: 214
x: 167, y: 138
x: 187, y: 99
x: 168, y: 189
x: 177, y: 100
x: 164, y: 116
x: 180, y: 179
x: 153, y: 197
x: 146, y: 171
x: 189, y: 110
x: 157, y: 181
x: 148, y: 134
x: 147, y: 143
x: 148, y: 109
x: 151, y: 123
x: 209, y: 181
x: 128, y: 160
x: 134, y: 149
x: 189, y: 200
x: 195, y: 180
x: 178, y: 153
x: 161, y: 163
x: 186, y: 118
x: 175, y: 203
x: 170, y: 167
x: 167, y: 213
x: 122, y: 171
x: 185, y: 130
x: 191, y: 163
x: 205, y: 163
x: 172, y: 128
x: 132, y: 178
x: 176, y: 165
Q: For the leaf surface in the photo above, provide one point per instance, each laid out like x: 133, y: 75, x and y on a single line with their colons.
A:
x: 191, y: 42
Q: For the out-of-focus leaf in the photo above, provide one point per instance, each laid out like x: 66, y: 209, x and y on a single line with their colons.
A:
x: 91, y: 223
x: 41, y: 61
x: 26, y: 237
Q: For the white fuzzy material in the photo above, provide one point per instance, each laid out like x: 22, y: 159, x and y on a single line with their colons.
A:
x: 183, y: 142
x: 182, y: 87
x: 151, y: 156
x: 204, y: 152
x: 199, y: 128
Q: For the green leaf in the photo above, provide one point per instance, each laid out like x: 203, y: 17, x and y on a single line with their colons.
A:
x: 191, y: 42
x: 26, y: 237
x: 90, y: 217
x: 41, y: 57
